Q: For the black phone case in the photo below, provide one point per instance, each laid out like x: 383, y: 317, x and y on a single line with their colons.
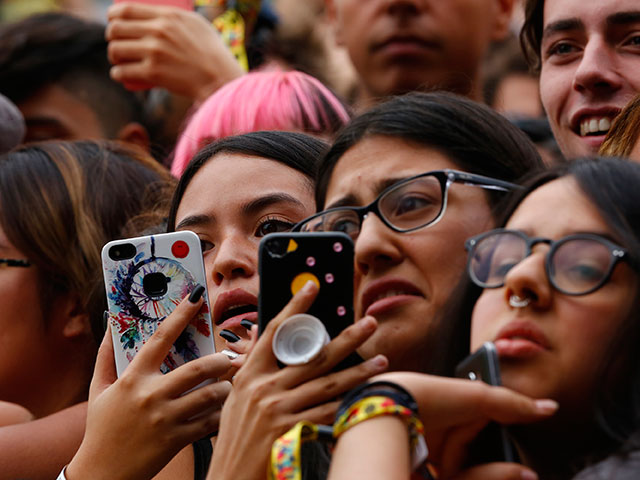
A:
x: 492, y: 444
x: 327, y: 257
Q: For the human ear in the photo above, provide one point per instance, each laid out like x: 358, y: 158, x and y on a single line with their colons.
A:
x: 504, y: 11
x: 135, y: 133
x: 334, y: 21
x: 75, y: 318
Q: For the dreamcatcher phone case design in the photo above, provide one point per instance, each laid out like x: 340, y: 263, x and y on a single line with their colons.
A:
x: 145, y: 279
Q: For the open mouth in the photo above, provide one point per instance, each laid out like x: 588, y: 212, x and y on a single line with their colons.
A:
x: 235, y: 311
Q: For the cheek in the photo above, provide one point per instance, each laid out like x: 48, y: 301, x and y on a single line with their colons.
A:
x: 553, y: 89
x: 484, y: 318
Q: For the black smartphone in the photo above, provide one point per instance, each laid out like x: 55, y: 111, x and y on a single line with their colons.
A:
x: 492, y: 444
x: 286, y: 261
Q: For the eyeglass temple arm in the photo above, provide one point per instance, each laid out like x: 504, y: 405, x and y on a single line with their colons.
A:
x: 489, y: 183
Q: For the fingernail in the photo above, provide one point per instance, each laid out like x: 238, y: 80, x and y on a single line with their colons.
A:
x: 230, y: 353
x: 528, y: 475
x: 546, y: 406
x: 229, y: 336
x: 196, y: 294
x: 379, y: 361
x: 310, y: 285
x: 105, y: 320
x: 367, y: 324
x: 247, y: 323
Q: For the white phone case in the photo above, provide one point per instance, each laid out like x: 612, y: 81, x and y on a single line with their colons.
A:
x: 144, y: 289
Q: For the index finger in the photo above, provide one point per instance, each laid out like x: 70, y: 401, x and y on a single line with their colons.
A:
x: 137, y: 11
x: 153, y: 353
x: 262, y: 353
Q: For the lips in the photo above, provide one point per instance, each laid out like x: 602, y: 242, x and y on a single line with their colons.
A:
x: 234, y: 305
x: 520, y: 340
x: 402, y: 44
x: 386, y: 293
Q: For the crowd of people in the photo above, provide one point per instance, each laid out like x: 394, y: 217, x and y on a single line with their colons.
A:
x: 471, y: 187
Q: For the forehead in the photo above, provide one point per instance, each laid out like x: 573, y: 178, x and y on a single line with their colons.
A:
x: 372, y: 164
x: 557, y: 209
x: 229, y: 180
x: 587, y: 12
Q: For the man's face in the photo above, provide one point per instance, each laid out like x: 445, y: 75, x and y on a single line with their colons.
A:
x: 402, y: 45
x: 55, y: 114
x: 590, y: 55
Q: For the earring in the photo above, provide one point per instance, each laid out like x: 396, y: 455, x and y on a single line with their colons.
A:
x: 516, y: 302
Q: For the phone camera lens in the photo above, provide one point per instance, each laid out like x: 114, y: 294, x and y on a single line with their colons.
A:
x: 155, y: 284
x: 122, y: 251
x: 277, y: 247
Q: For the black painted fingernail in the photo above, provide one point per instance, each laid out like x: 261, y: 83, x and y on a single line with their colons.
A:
x: 229, y: 336
x: 247, y: 323
x: 105, y: 320
x: 196, y: 294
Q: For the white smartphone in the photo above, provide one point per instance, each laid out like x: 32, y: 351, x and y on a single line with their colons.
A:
x: 145, y: 279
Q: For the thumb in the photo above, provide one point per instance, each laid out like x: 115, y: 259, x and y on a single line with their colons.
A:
x: 104, y: 373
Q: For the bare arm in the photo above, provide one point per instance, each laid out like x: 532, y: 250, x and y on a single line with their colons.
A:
x: 39, y: 449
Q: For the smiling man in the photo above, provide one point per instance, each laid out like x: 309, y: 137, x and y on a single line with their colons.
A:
x: 399, y: 46
x: 588, y: 53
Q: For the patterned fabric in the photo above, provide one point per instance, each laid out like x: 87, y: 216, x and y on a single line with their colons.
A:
x: 238, y: 19
x: 285, y: 453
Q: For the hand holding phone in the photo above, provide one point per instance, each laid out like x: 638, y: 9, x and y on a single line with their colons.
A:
x: 145, y: 279
x: 492, y: 444
x: 289, y: 260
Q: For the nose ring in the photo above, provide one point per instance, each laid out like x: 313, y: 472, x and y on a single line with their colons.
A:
x: 516, y: 302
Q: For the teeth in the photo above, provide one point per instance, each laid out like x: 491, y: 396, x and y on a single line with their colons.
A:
x: 595, y: 125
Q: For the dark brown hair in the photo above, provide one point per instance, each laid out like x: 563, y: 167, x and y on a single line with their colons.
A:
x: 531, y: 33
x: 60, y: 202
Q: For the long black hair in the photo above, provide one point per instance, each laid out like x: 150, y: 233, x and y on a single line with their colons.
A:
x: 475, y: 138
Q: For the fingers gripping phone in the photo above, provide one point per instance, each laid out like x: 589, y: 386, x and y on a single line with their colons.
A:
x: 288, y: 260
x: 492, y: 444
x: 145, y: 279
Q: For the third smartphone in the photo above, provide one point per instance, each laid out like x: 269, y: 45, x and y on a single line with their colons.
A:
x: 492, y: 444
x: 288, y: 260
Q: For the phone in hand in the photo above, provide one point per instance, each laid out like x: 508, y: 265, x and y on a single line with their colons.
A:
x: 145, y: 279
x: 286, y: 261
x: 492, y: 444
x: 185, y: 4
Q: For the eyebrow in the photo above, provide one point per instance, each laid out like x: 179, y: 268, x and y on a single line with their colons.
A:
x: 260, y: 203
x: 563, y: 25
x: 350, y: 200
x: 249, y: 208
x: 623, y: 18
x: 195, y: 221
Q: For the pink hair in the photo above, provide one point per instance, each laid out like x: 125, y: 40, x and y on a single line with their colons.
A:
x: 265, y: 100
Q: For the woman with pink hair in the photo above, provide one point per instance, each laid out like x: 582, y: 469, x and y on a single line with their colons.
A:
x: 265, y: 100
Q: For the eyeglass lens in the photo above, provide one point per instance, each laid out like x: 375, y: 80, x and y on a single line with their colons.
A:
x: 413, y: 204
x: 576, y: 265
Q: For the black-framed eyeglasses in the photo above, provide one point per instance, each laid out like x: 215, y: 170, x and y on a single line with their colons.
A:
x: 12, y: 262
x: 405, y: 206
x: 575, y: 265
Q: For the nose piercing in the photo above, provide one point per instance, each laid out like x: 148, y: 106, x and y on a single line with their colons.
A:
x: 516, y: 302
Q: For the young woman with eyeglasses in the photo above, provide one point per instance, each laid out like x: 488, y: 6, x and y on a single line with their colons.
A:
x: 409, y: 181
x: 557, y: 294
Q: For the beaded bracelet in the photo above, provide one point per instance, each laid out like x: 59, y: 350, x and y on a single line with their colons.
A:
x: 365, y: 402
